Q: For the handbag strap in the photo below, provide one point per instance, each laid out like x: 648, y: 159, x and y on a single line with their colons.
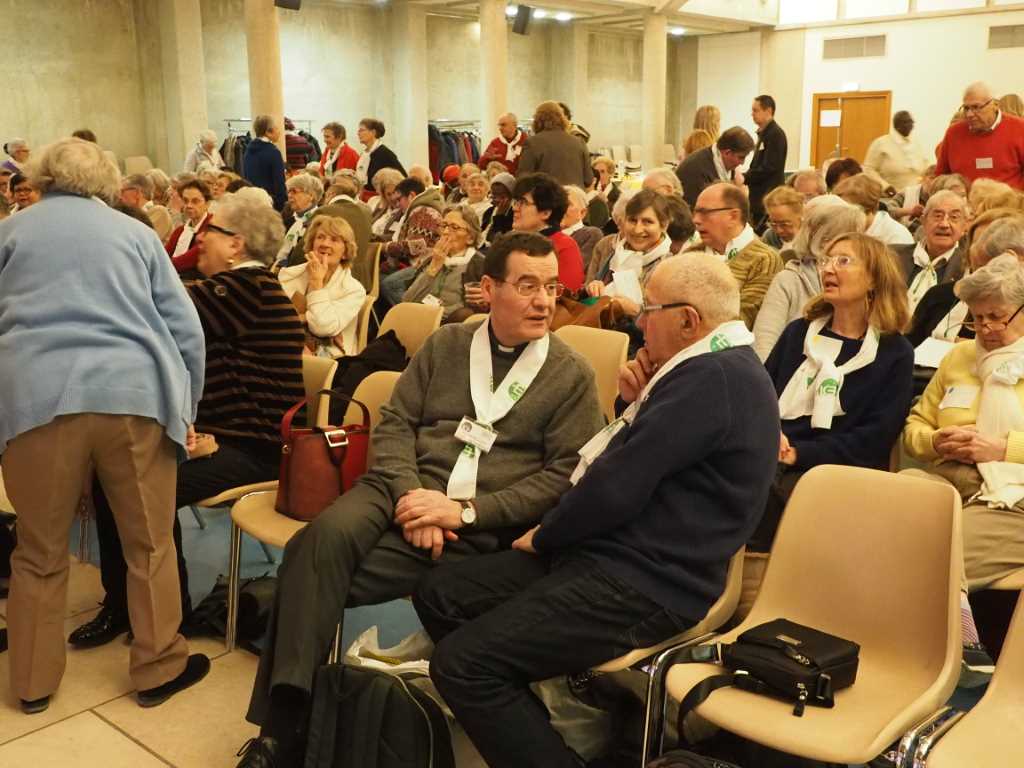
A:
x: 342, y: 396
x: 289, y: 416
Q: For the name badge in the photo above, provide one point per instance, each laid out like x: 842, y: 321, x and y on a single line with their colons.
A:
x: 960, y: 396
x: 431, y: 300
x: 474, y: 433
x: 982, y: 163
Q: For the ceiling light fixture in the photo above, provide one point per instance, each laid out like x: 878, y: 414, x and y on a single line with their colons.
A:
x: 563, y: 16
x: 676, y: 31
x: 540, y: 13
x: 511, y: 10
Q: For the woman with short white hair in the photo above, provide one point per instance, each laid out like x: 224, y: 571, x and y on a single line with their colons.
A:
x: 304, y: 194
x: 103, y: 365
x: 17, y: 151
x: 574, y: 226
x: 205, y: 151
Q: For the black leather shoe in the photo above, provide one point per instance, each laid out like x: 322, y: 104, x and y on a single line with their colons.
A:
x: 107, y: 625
x: 262, y: 752
x: 35, y: 705
x: 196, y: 668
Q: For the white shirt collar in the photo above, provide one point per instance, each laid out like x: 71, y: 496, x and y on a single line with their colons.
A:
x: 574, y: 228
x: 737, y: 244
x: 248, y: 263
x: 336, y: 198
x: 723, y: 174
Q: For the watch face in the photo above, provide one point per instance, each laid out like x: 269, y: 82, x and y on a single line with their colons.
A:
x: 468, y: 515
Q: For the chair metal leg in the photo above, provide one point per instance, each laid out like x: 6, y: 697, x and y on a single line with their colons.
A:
x: 930, y: 739
x: 233, y: 586
x: 267, y: 553
x: 198, y: 516
x: 909, y: 743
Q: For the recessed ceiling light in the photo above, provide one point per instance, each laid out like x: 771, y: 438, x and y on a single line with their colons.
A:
x: 676, y: 31
x: 563, y: 16
x: 540, y: 13
x: 511, y: 10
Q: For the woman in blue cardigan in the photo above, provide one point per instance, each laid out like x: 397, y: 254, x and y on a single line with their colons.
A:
x: 843, y: 371
x: 103, y: 365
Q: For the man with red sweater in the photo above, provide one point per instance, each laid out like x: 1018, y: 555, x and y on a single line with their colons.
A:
x: 539, y: 202
x: 987, y: 144
x: 507, y: 146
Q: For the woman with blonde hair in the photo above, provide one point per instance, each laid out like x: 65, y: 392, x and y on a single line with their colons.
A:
x: 843, y: 371
x: 1012, y: 104
x: 695, y: 140
x: 987, y: 194
x: 553, y: 150
x: 708, y: 118
x: 324, y: 292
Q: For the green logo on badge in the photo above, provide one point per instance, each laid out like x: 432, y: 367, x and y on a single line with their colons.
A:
x: 516, y: 390
x: 719, y: 342
x: 469, y: 450
x: 828, y: 387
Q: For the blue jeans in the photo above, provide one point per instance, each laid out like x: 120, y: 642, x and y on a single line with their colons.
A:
x: 394, y: 286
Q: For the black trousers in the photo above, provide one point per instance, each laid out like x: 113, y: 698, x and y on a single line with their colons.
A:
x: 351, y: 555
x: 503, y: 621
x: 235, y: 463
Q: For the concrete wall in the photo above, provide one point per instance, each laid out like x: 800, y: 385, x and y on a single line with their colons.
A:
x: 782, y: 78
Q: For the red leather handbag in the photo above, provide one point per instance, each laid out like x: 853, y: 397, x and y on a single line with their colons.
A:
x: 319, y: 464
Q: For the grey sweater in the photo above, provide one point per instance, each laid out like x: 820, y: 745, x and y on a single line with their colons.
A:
x: 528, y: 469
x: 784, y: 301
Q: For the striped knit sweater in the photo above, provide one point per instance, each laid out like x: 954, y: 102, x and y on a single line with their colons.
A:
x: 754, y: 268
x: 254, y: 342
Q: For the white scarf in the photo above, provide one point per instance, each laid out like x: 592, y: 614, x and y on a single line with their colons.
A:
x: 295, y: 232
x: 463, y: 258
x: 1000, y: 412
x: 727, y: 335
x: 188, y: 234
x: 363, y: 166
x: 492, y: 405
x: 723, y: 174
x: 627, y: 267
x: 948, y: 328
x: 814, y: 389
x: 926, y: 276
x: 513, y: 148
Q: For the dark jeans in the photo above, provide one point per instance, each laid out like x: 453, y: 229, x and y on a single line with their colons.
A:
x: 786, y: 478
x: 236, y: 462
x: 503, y: 621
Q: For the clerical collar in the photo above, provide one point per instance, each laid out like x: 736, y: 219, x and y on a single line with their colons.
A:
x: 500, y: 350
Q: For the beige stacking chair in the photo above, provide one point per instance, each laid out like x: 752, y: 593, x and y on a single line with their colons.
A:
x: 254, y: 512
x: 606, y: 352
x: 413, y: 323
x: 363, y: 323
x: 870, y: 556
x: 476, y: 317
x: 989, y: 736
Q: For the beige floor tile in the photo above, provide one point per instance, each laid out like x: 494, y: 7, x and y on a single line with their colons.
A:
x: 84, y: 741
x: 92, y: 677
x: 201, y: 727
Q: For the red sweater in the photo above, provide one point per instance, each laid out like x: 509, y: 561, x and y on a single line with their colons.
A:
x: 997, y: 154
x: 570, y: 260
x: 495, y: 152
x: 347, y: 158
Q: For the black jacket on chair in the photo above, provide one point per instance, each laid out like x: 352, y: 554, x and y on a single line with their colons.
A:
x: 767, y: 168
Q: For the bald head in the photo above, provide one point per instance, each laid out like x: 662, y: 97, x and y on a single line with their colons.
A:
x: 507, y: 125
x: 977, y: 90
x: 701, y: 280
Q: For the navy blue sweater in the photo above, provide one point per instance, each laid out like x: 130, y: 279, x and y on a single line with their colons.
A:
x: 264, y: 167
x: 680, y: 490
x: 875, y: 399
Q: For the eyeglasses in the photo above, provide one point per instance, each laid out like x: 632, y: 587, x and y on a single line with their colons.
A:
x: 955, y: 217
x: 967, y: 108
x: 210, y: 225
x: 455, y: 227
x: 839, y: 262
x: 992, y: 325
x: 777, y: 225
x: 646, y: 309
x: 528, y: 288
x: 521, y: 202
x: 706, y: 211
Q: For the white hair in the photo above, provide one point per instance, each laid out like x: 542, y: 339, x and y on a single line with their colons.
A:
x: 75, y: 166
x: 208, y: 137
x: 577, y: 196
x: 703, y: 281
x: 254, y: 195
x: 306, y: 182
x: 14, y: 145
x: 1002, y: 279
x: 826, y: 217
x: 258, y: 224
x: 665, y: 175
x: 619, y: 209
x: 942, y: 196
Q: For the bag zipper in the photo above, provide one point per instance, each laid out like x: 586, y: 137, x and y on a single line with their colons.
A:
x: 798, y: 708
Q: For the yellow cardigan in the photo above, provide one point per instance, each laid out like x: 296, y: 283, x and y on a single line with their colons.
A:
x: 956, y: 370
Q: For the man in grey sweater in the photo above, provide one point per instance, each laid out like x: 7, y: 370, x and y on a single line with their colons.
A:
x: 462, y: 468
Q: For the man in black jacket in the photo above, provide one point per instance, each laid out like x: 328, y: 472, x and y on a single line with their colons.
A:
x: 637, y: 551
x: 715, y: 163
x: 768, y: 168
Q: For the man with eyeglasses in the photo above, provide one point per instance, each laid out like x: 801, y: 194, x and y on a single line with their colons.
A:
x: 637, y: 551
x: 987, y: 144
x: 936, y: 258
x: 722, y: 218
x: 477, y: 442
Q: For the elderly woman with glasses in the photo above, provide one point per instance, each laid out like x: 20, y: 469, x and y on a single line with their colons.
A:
x: 843, y: 371
x: 304, y: 193
x: 439, y: 281
x: 968, y: 425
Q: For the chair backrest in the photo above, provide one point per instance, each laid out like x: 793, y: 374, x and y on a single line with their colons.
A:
x: 874, y: 557
x: 636, y: 153
x: 375, y: 265
x: 619, y: 153
x: 668, y: 154
x: 606, y: 352
x: 373, y: 392
x: 476, y: 318
x: 317, y: 374
x: 363, y: 323
x: 412, y: 323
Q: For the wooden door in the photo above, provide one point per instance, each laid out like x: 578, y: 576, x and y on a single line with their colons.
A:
x: 863, y: 117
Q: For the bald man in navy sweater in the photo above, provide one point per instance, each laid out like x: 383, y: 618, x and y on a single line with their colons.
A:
x: 637, y: 550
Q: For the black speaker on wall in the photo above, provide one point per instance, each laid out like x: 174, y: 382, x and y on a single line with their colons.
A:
x: 291, y: 5
x: 521, y: 25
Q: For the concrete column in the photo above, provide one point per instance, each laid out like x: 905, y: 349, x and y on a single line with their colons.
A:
x: 493, y: 64
x: 579, y: 91
x: 409, y: 25
x: 652, y: 106
x: 184, y: 77
x: 263, y: 45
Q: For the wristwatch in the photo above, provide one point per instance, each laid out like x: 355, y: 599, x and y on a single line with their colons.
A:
x: 468, y: 513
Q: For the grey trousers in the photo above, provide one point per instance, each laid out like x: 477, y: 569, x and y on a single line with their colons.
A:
x: 351, y: 555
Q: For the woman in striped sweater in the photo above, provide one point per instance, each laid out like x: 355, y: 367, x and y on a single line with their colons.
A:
x: 254, y: 341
